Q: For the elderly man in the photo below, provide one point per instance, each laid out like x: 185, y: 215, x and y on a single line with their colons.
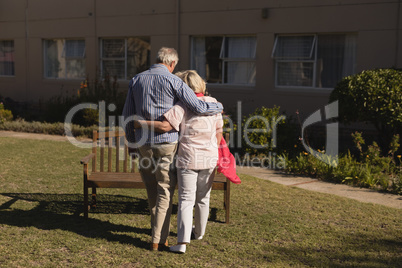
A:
x: 151, y: 94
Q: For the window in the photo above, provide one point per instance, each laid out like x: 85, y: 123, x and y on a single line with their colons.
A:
x: 225, y: 60
x: 64, y: 58
x: 7, y: 58
x: 318, y: 61
x: 124, y: 58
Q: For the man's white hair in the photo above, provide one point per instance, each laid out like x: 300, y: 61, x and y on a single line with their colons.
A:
x: 167, y: 55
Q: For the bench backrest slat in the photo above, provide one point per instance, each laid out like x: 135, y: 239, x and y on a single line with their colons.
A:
x: 102, y: 155
x: 109, y: 155
x: 132, y: 164
x: 114, y: 141
x: 94, y: 148
x: 117, y: 152
x: 126, y: 155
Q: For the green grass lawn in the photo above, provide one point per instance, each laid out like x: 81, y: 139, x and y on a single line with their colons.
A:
x: 271, y: 225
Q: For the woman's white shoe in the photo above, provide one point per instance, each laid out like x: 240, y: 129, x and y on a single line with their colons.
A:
x: 194, y: 236
x: 179, y: 248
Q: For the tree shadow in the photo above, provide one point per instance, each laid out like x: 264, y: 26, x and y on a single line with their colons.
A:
x: 361, y: 250
x: 61, y: 211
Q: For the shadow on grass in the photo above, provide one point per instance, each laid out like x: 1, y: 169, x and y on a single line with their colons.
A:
x: 360, y: 251
x: 61, y: 211
x: 72, y: 203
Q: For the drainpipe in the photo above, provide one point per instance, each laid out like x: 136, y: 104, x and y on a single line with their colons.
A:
x: 397, y: 35
x: 97, y: 43
x: 27, y: 82
x: 178, y: 27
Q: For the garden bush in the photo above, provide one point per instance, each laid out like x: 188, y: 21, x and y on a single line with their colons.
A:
x: 46, y: 128
x: 266, y: 131
x: 370, y: 169
x: 373, y: 96
x: 5, y: 115
x: 93, y: 92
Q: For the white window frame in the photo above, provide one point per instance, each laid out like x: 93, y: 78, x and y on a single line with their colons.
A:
x: 102, y: 59
x: 126, y: 75
x: 313, y: 58
x: 225, y: 60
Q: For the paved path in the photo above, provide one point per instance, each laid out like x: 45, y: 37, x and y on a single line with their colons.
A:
x: 35, y: 136
x: 360, y: 194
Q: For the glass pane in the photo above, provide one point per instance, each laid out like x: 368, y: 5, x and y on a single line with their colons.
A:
x: 295, y: 74
x: 206, y: 59
x: 74, y: 49
x: 54, y: 63
x: 240, y: 47
x: 113, y: 48
x: 240, y: 73
x: 336, y: 58
x: 75, y: 68
x: 138, y: 56
x: 7, y: 58
x: 113, y: 68
x: 198, y: 56
x: 294, y: 47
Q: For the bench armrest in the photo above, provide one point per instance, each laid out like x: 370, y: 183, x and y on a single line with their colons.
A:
x: 87, y: 158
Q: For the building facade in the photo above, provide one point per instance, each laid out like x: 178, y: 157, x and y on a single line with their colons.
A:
x: 252, y: 53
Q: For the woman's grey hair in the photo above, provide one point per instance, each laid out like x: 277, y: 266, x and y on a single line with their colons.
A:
x: 193, y: 80
x: 167, y: 55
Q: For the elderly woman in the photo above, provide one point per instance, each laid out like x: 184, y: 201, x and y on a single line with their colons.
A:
x: 197, y: 156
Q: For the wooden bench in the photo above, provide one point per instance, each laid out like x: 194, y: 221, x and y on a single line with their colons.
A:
x: 118, y: 170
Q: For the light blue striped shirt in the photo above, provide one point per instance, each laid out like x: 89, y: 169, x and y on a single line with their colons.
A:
x: 151, y: 94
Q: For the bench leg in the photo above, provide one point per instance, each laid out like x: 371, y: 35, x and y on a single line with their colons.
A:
x: 226, y: 200
x: 85, y: 201
x: 93, y: 203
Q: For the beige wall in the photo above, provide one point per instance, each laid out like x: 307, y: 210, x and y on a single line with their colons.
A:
x: 28, y: 22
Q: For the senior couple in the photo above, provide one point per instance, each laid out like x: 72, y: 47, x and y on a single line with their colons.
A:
x: 168, y: 114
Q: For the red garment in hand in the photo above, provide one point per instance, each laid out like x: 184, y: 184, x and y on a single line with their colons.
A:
x: 227, y: 163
